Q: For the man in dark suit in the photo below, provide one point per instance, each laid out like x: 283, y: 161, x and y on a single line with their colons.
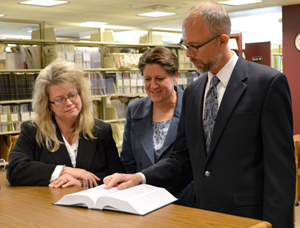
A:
x: 240, y: 149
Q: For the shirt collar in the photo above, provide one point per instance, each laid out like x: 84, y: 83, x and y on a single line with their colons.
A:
x: 225, y: 73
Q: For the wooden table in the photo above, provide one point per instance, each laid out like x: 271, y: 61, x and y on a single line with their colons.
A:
x: 32, y: 207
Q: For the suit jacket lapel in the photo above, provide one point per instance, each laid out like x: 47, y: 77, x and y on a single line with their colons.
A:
x: 142, y: 127
x: 86, y: 149
x: 85, y: 153
x: 198, y: 99
x: 61, y: 155
x: 172, y: 132
x: 234, y: 91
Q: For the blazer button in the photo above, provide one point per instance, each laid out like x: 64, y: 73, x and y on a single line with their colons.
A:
x: 141, y: 164
x: 207, y: 173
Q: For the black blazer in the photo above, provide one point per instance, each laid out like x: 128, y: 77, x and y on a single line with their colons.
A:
x: 30, y: 164
x: 250, y: 167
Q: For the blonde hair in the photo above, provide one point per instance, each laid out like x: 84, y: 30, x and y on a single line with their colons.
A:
x: 61, y: 72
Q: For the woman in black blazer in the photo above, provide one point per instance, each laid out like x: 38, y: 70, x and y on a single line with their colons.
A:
x: 63, y: 145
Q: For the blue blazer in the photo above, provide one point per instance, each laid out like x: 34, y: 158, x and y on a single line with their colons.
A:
x: 137, y: 148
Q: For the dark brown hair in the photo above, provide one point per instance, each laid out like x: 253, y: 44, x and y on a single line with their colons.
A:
x: 162, y: 56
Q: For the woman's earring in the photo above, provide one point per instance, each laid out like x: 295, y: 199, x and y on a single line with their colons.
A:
x: 51, y: 112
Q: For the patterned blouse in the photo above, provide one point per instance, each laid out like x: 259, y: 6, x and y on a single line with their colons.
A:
x: 160, y: 131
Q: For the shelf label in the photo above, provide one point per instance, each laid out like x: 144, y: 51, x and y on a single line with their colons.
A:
x: 4, y: 118
x: 126, y: 82
x: 86, y: 56
x: 133, y: 82
x: 15, y: 117
x: 140, y: 82
x: 25, y: 116
x: 119, y: 82
x: 257, y: 59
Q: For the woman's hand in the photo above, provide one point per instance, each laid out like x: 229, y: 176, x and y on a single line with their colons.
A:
x: 64, y: 181
x: 90, y: 179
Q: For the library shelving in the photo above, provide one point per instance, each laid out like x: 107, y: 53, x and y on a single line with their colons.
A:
x: 112, y: 85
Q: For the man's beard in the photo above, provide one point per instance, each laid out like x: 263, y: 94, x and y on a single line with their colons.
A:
x: 207, y: 66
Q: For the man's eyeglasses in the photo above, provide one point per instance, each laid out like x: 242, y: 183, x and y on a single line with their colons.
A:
x: 61, y: 101
x: 194, y: 49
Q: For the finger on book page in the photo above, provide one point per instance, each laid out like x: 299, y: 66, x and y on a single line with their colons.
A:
x: 116, y: 179
x: 112, y: 180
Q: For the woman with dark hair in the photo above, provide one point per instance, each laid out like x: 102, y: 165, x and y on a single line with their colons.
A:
x: 151, y: 122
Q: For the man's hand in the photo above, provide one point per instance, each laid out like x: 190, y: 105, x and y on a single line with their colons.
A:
x: 123, y: 181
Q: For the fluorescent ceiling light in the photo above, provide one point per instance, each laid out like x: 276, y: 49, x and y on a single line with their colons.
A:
x: 2, y: 15
x: 239, y: 2
x: 93, y: 24
x: 156, y: 14
x: 44, y: 3
x: 168, y: 29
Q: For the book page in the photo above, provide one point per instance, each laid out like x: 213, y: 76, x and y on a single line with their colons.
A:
x: 140, y: 199
x: 135, y: 192
x: 96, y: 192
x: 86, y: 198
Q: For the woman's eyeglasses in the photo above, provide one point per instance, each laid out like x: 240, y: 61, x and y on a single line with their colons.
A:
x: 61, y: 101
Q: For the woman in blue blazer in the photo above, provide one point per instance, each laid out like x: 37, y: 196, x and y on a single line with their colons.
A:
x: 151, y: 122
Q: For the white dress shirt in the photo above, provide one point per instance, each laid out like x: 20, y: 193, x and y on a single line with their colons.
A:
x: 72, y: 150
x: 224, y: 76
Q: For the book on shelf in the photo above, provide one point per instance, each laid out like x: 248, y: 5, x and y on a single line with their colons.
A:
x: 140, y: 83
x: 101, y: 84
x: 97, y: 82
x: 110, y: 78
x: 133, y: 82
x: 119, y: 82
x: 12, y: 86
x: 126, y: 82
x: 14, y: 117
x: 30, y: 78
x: 141, y: 199
x: 5, y: 91
x: 33, y: 57
x: 4, y: 118
x: 13, y: 114
x: 16, y: 86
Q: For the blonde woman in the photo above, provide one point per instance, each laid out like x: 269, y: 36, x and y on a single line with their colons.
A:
x: 63, y: 145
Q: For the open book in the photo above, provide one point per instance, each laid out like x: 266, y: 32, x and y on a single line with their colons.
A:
x: 140, y: 199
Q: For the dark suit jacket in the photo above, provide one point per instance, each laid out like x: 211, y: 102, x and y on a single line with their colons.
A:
x: 137, y: 148
x: 250, y: 168
x: 30, y: 164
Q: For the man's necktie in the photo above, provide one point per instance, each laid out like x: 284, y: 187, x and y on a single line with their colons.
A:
x: 210, y: 110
